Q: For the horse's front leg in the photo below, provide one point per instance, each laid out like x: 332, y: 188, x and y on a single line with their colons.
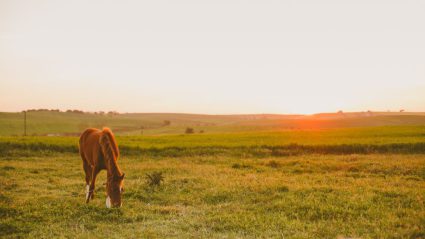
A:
x: 92, y: 184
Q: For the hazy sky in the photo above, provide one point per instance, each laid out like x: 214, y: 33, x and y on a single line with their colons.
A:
x: 214, y: 57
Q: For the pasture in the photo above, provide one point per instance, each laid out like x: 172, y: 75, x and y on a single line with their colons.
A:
x: 309, y: 196
x: 364, y: 182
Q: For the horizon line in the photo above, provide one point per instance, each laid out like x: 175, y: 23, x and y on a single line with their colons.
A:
x: 229, y: 114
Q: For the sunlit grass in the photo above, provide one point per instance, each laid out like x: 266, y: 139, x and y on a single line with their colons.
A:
x: 310, y: 196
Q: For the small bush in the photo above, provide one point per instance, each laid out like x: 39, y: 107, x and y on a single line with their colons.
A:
x: 273, y: 164
x: 189, y: 131
x: 154, y: 179
x: 283, y: 189
x: 241, y: 166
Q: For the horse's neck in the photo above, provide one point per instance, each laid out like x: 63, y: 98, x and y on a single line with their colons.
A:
x: 112, y: 167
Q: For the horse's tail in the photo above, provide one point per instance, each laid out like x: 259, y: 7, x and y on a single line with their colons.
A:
x: 108, y: 143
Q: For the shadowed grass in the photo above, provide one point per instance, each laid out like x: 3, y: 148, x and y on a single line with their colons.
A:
x: 37, y: 148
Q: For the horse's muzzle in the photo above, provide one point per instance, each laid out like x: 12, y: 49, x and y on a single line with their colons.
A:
x: 109, y: 204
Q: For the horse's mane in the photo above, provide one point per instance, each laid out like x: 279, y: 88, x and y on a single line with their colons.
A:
x: 109, y: 140
x: 109, y: 146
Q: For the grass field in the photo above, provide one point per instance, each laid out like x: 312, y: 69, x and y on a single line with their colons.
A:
x: 366, y: 182
x: 309, y: 196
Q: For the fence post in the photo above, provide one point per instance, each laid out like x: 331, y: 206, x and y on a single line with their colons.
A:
x: 25, y: 123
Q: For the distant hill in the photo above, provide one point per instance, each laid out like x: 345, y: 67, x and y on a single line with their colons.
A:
x: 343, y: 115
x: 46, y: 122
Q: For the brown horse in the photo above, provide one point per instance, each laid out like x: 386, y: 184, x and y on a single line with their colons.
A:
x: 99, y: 150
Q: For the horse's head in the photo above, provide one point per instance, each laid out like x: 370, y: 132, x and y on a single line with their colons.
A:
x: 114, y: 189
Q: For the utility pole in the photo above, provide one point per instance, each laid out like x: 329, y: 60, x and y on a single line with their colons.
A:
x: 25, y: 123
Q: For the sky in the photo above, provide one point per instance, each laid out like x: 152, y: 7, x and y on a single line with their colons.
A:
x: 213, y: 57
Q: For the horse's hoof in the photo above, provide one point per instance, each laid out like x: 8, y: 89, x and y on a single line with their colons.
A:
x: 87, y: 193
x: 108, y: 202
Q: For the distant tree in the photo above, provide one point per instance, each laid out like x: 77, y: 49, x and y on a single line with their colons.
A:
x: 78, y: 111
x: 113, y: 113
x: 402, y: 110
x: 189, y: 131
x: 201, y: 131
x: 166, y: 122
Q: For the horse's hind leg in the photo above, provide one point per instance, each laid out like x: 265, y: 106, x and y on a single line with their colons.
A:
x: 88, y: 172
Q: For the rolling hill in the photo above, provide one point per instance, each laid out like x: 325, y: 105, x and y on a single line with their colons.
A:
x: 46, y: 122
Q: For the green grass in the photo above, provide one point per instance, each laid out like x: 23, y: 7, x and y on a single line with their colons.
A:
x: 309, y: 196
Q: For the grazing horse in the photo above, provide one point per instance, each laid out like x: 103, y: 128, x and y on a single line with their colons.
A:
x: 99, y: 150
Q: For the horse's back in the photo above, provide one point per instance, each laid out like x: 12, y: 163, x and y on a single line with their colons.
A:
x: 87, y: 135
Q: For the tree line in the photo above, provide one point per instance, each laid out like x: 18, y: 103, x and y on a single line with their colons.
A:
x: 74, y: 111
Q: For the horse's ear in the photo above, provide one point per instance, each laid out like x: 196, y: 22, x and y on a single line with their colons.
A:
x: 122, y: 176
